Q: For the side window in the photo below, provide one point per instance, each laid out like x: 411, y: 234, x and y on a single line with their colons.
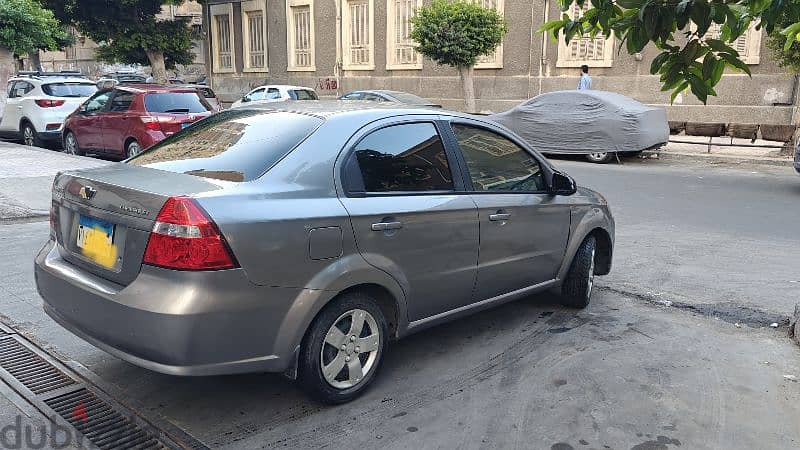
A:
x: 403, y: 158
x: 21, y: 88
x: 273, y: 94
x: 10, y: 90
x: 258, y: 94
x: 353, y: 96
x: 98, y: 102
x: 496, y: 163
x: 121, y: 102
x: 373, y: 98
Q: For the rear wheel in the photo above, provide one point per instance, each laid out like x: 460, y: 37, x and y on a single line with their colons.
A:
x: 29, y: 135
x: 71, y: 144
x: 600, y: 157
x: 132, y: 149
x: 342, y: 351
x: 577, y: 288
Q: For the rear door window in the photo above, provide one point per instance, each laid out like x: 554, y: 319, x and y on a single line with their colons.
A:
x: 69, y: 89
x: 234, y: 145
x: 176, y: 103
x: 273, y: 94
x: 403, y: 158
x: 303, y: 94
x: 121, y: 102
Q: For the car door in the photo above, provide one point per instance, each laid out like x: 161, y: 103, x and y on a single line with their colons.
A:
x: 86, y: 123
x: 523, y: 229
x: 12, y: 110
x: 115, y: 122
x: 410, y: 217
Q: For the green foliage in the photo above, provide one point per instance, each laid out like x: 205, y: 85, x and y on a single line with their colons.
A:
x: 26, y: 27
x: 457, y: 33
x: 128, y: 29
x: 689, y: 58
x: 785, y: 46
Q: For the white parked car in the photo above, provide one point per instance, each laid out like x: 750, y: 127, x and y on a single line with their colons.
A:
x: 276, y: 93
x: 38, y: 103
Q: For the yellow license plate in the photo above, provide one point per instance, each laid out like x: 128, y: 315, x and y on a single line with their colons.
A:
x: 96, y: 241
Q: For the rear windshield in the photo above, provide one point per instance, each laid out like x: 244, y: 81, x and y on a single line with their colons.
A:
x: 69, y: 89
x: 302, y: 94
x: 234, y: 145
x: 176, y: 102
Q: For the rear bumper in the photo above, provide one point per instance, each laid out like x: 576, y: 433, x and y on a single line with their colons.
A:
x: 50, y: 136
x: 178, y: 323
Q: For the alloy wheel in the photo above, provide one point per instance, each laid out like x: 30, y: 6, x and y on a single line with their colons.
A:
x: 350, y: 349
x: 590, y: 283
x: 597, y: 156
x: 133, y: 149
x: 70, y: 144
x: 28, y: 136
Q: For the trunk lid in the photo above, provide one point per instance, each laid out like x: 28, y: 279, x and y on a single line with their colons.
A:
x: 103, y: 217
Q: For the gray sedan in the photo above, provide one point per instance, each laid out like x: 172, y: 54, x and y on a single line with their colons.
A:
x: 301, y: 239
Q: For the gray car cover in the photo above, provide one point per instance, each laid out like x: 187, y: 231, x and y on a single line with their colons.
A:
x: 586, y: 121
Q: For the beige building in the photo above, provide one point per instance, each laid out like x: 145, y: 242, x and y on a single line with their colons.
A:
x: 81, y: 55
x: 339, y: 45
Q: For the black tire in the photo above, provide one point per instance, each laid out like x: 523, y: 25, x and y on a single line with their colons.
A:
x: 601, y: 157
x: 577, y: 288
x: 310, y: 363
x: 29, y: 135
x: 132, y: 148
x: 70, y: 144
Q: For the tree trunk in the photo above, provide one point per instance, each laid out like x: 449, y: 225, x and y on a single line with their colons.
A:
x: 36, y: 62
x: 468, y: 87
x: 157, y: 66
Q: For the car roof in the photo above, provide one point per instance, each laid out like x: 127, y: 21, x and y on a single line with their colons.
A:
x: 53, y: 79
x: 283, y: 86
x: 153, y: 88
x: 326, y: 109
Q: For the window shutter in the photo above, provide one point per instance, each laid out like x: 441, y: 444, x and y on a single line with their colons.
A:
x: 301, y: 16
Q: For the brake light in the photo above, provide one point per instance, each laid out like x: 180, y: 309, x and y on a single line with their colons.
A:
x: 151, y: 123
x: 185, y: 238
x: 46, y: 103
x: 164, y: 124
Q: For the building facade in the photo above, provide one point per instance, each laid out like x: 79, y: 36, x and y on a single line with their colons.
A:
x: 336, y: 46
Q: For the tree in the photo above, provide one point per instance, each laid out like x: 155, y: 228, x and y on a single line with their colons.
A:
x: 785, y: 50
x: 457, y: 34
x: 688, y: 57
x: 26, y: 28
x: 129, y: 32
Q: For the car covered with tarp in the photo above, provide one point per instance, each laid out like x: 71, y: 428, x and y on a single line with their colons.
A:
x: 597, y: 124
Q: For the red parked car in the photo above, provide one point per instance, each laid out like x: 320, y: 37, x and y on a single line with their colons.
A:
x: 125, y: 120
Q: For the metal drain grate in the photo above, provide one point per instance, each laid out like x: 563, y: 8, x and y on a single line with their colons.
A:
x: 102, y: 425
x: 29, y: 369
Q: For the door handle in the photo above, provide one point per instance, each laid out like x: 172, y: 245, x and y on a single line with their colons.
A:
x: 499, y: 216
x: 383, y: 226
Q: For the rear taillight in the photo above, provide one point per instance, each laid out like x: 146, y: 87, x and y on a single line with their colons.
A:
x: 49, y: 103
x: 151, y: 123
x: 185, y: 238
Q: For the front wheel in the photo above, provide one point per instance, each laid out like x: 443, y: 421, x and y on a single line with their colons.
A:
x: 577, y: 288
x: 343, y: 349
x: 600, y: 157
x: 71, y: 144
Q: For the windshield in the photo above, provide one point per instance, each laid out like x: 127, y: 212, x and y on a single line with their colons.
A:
x: 69, y: 89
x: 234, y: 145
x: 176, y: 102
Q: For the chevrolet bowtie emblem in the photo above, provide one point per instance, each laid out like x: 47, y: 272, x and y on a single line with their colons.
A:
x: 87, y: 192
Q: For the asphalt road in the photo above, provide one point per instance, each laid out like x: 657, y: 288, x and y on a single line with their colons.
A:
x: 628, y: 372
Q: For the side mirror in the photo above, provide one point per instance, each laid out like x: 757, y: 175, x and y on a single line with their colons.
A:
x: 562, y: 184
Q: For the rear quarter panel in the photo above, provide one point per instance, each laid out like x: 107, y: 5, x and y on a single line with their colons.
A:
x: 589, y: 211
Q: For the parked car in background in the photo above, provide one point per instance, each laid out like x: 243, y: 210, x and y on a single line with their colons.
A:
x: 39, y: 102
x: 123, y: 121
x: 276, y: 93
x: 389, y: 96
x: 127, y: 77
x: 302, y: 239
x: 208, y: 94
x: 597, y: 124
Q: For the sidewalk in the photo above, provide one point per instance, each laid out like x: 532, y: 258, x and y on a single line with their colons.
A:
x: 701, y: 150
x: 26, y: 177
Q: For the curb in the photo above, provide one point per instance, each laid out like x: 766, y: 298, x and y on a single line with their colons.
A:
x: 719, y: 159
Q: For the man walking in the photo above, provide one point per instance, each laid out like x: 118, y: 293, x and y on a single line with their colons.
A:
x: 586, y: 81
